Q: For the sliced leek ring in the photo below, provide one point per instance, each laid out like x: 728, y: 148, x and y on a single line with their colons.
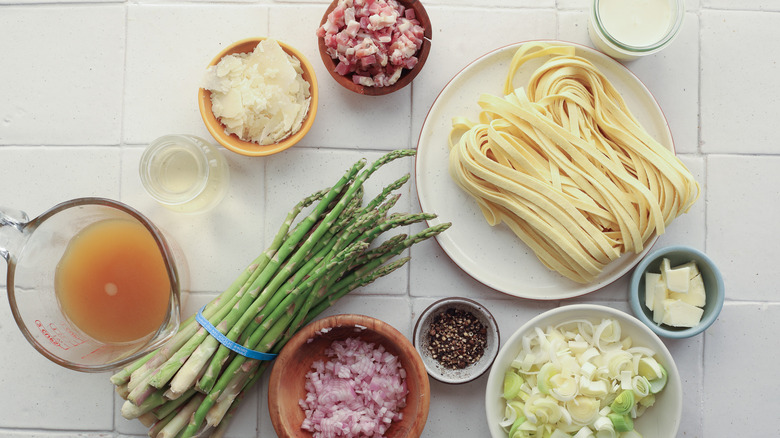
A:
x: 515, y: 425
x: 649, y: 368
x: 545, y: 374
x: 512, y: 384
x: 656, y: 385
x: 593, y: 390
x: 623, y: 403
x: 622, y: 423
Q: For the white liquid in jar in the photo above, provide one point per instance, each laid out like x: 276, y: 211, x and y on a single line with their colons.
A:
x: 636, y: 22
x: 184, y: 173
x: 179, y: 171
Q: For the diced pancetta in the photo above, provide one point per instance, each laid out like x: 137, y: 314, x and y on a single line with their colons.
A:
x: 373, y: 40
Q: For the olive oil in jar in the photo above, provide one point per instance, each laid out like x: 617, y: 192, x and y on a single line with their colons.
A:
x: 185, y: 173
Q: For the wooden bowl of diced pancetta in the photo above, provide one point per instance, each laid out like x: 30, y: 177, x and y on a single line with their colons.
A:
x: 374, y: 47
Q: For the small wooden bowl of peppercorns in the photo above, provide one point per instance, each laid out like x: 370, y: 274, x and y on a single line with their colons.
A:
x: 457, y: 338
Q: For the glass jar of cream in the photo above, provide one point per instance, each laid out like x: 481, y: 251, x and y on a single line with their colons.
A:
x: 630, y: 29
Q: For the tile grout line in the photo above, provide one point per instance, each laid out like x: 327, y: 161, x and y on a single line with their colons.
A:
x: 705, y: 158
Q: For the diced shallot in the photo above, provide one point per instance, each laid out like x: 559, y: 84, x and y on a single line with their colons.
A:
x: 358, y: 393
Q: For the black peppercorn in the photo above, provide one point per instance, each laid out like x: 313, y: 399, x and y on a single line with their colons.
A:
x: 457, y: 338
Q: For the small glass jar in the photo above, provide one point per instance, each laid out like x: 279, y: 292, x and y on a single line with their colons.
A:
x: 184, y: 173
x: 630, y: 29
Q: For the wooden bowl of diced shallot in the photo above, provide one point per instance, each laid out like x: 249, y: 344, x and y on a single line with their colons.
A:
x: 374, y: 47
x: 351, y: 373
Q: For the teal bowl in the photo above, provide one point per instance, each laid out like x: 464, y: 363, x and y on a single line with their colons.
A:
x: 677, y: 255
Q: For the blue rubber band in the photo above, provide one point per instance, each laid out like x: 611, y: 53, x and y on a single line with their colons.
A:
x: 238, y: 348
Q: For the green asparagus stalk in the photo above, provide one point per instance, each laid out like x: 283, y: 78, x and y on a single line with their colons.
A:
x: 161, y: 423
x: 269, y: 298
x: 277, y: 336
x: 307, y: 268
x: 122, y: 377
x: 142, y: 369
x: 165, y: 409
x: 214, y: 415
x: 219, y: 415
x: 140, y: 380
x: 281, y: 313
x: 181, y: 419
x: 220, y: 357
x: 345, y: 285
x: 226, y: 316
x: 130, y: 410
x: 324, y: 254
x: 288, y: 301
x: 296, y: 260
x: 328, y: 300
x: 386, y: 191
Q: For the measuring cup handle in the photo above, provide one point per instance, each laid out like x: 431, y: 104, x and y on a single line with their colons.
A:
x: 12, y: 223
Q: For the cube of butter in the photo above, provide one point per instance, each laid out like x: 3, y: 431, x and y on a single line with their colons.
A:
x: 680, y: 314
x: 676, y: 278
x: 696, y: 295
x: 651, y: 281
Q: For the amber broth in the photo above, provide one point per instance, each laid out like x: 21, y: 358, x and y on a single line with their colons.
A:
x: 112, y: 281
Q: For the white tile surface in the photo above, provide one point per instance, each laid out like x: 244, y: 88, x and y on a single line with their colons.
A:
x: 454, y: 47
x: 733, y: 92
x: 66, y: 78
x: 753, y: 5
x: 85, y: 86
x: 165, y: 40
x: 746, y: 259
x: 746, y: 332
x: 44, y: 393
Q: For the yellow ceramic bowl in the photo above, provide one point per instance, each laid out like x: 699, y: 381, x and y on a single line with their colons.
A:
x: 232, y: 142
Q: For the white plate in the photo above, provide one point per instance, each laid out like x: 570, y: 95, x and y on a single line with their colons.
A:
x: 494, y: 256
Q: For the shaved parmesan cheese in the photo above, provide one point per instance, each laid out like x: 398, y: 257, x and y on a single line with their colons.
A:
x: 260, y: 96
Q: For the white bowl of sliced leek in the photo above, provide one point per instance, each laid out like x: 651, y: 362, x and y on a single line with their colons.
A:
x: 584, y: 371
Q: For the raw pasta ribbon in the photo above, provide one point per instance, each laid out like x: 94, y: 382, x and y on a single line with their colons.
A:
x: 567, y: 167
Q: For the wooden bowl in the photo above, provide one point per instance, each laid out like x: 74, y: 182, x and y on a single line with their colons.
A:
x: 406, y: 76
x: 288, y: 376
x: 232, y: 142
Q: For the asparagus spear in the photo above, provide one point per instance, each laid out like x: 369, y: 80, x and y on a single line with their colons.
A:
x: 304, y: 271
x: 141, y: 371
x: 226, y: 318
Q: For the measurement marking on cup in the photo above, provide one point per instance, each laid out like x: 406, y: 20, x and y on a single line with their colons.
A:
x: 48, y: 336
x: 57, y: 337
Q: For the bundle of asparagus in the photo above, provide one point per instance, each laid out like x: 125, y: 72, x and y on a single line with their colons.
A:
x: 192, y: 384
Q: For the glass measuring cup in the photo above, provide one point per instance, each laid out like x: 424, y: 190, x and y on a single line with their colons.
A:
x: 33, y: 250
